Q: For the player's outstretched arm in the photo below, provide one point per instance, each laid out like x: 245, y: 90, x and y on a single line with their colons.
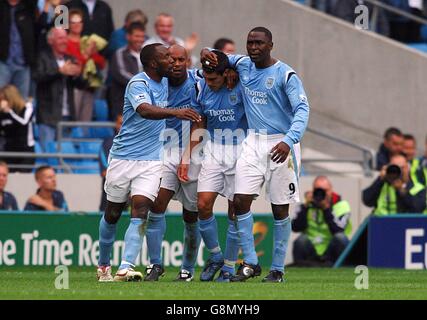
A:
x: 151, y: 112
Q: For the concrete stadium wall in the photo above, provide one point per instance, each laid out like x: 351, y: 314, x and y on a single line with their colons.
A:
x: 360, y: 80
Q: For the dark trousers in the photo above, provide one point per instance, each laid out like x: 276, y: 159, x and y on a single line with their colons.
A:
x: 304, y: 251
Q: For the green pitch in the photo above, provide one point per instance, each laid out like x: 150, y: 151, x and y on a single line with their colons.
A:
x: 302, y: 283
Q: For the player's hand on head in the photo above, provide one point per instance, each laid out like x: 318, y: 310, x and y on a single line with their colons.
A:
x: 280, y: 152
x: 232, y: 78
x: 188, y: 114
x: 208, y: 58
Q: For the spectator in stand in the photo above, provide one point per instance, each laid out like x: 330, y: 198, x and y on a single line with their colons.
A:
x: 56, y: 75
x: 16, y: 117
x: 225, y: 45
x: 103, y: 159
x: 395, y: 191
x: 163, y: 26
x: 324, y: 221
x: 124, y: 65
x: 97, y: 17
x: 392, y: 145
x: 45, y: 21
x: 7, y: 200
x: 409, y: 148
x: 404, y: 29
x: 47, y: 198
x: 119, y: 37
x: 17, y: 43
x: 83, y: 98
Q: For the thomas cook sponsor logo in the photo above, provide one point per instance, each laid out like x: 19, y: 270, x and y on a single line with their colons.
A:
x: 257, y: 97
x: 224, y: 115
x: 269, y: 83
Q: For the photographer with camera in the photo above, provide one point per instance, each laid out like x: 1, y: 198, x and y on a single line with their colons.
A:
x: 324, y: 222
x: 395, y: 191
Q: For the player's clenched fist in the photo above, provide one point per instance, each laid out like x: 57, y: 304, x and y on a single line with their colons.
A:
x: 188, y: 114
x: 183, y: 172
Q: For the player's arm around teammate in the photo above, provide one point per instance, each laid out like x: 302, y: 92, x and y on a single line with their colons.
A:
x: 134, y: 167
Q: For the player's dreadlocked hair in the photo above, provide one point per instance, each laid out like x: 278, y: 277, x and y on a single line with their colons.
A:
x: 222, y: 63
x: 148, y: 52
x: 263, y: 30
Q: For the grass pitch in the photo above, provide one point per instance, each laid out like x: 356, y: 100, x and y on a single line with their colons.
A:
x: 30, y: 283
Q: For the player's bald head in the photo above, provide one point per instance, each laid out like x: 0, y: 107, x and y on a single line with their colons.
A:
x: 177, y: 50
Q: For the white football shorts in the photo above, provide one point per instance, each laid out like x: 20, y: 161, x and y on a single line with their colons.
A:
x: 132, y: 177
x: 255, y: 168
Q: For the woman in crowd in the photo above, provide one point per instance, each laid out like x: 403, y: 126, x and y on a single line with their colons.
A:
x: 16, y: 123
x: 84, y: 54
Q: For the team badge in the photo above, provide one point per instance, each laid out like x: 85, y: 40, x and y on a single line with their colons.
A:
x: 303, y: 98
x: 269, y: 83
x: 232, y: 98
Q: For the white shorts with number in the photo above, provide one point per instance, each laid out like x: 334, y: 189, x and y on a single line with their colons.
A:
x: 255, y: 168
x: 218, y: 169
x: 132, y: 177
x: 186, y: 193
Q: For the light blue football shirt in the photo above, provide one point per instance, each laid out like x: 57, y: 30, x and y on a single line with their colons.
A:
x: 224, y: 112
x: 274, y: 98
x: 140, y: 138
x: 177, y: 132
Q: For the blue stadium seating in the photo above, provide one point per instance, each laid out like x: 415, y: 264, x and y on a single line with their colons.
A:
x: 88, y: 167
x: 66, y: 147
x: 101, y: 133
x: 89, y: 147
x: 419, y: 46
x: 100, y: 110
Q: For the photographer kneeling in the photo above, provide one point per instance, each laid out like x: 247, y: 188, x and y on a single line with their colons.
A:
x: 394, y: 191
x: 325, y: 226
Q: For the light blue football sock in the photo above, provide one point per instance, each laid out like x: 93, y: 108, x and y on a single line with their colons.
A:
x: 156, y: 227
x: 245, y: 224
x: 133, y: 242
x: 282, y: 231
x: 107, y: 236
x: 231, y: 248
x: 192, y: 240
x: 209, y: 232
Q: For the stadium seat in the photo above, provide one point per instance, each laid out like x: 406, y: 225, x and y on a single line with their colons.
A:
x: 101, y: 133
x: 87, y: 167
x: 89, y: 147
x: 38, y: 150
x: 100, y: 109
x: 66, y: 147
x: 77, y: 133
x: 419, y: 46
x: 423, y: 33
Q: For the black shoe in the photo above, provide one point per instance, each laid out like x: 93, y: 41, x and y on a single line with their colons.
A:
x: 210, y: 270
x: 154, y: 272
x: 184, y: 276
x: 245, y: 272
x: 274, y: 276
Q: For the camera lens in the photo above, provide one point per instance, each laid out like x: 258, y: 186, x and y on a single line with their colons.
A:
x: 393, y: 172
x: 319, y: 194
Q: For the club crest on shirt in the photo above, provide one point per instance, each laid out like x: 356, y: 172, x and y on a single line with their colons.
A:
x: 269, y: 83
x: 232, y: 98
